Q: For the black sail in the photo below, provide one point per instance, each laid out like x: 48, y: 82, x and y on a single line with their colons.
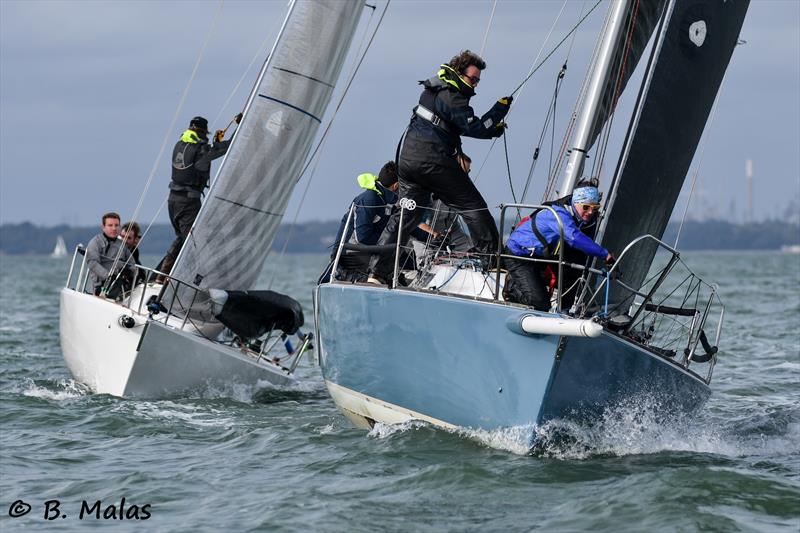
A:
x: 673, y: 106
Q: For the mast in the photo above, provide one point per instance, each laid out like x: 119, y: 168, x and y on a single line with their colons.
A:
x: 584, y: 135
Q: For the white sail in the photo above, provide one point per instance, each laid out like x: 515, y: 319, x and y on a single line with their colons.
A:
x: 60, y: 249
x: 238, y: 221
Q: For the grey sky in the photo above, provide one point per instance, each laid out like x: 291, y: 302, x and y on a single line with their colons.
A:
x: 88, y: 90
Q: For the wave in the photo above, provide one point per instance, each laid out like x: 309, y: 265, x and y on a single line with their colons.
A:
x: 56, y: 390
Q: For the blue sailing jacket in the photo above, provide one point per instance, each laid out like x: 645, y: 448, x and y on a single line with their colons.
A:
x: 524, y: 242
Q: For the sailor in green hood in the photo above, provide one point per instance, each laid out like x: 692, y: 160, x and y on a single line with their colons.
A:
x: 428, y: 161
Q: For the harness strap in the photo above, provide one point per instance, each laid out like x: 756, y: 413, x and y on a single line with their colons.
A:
x: 425, y: 113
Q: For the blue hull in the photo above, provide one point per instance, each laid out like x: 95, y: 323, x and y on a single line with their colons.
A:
x: 458, y: 361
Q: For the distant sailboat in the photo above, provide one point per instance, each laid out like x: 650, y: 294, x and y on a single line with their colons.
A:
x: 60, y: 249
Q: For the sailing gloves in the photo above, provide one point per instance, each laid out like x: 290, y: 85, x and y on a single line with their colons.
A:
x: 238, y: 118
x: 219, y: 136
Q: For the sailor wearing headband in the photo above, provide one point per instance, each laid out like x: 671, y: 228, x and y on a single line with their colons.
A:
x: 537, y: 236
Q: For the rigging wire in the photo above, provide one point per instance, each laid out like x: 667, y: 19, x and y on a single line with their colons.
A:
x: 700, y: 161
x: 324, y: 135
x: 531, y: 72
x: 169, y: 132
x: 259, y: 53
x: 488, y: 26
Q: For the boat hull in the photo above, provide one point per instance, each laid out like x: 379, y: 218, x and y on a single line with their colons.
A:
x: 398, y: 355
x: 151, y: 359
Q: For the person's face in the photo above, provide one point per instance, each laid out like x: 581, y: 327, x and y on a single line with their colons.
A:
x: 465, y: 165
x: 472, y: 76
x: 586, y: 212
x: 394, y: 187
x: 130, y: 239
x: 111, y: 228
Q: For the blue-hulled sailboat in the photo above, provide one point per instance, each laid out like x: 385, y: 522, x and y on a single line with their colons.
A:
x: 447, y: 349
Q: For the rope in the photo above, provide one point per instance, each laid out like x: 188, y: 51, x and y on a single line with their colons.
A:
x: 489, y: 25
x: 324, y: 136
x: 556, y: 48
x: 170, y: 130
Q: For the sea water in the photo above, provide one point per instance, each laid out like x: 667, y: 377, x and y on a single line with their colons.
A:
x: 265, y: 459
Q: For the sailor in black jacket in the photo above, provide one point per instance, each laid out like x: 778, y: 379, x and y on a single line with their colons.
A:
x: 191, y: 171
x: 428, y: 161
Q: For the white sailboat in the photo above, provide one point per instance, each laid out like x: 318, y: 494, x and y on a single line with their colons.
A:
x: 60, y: 249
x: 163, y: 339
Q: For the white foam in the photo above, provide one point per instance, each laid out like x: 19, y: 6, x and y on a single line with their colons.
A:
x: 64, y: 389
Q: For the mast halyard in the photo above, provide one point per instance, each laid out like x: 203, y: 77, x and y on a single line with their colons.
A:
x: 590, y: 109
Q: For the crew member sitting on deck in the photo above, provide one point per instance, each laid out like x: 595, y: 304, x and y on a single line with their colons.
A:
x: 108, y: 258
x: 373, y: 207
x: 131, y: 233
x: 537, y: 236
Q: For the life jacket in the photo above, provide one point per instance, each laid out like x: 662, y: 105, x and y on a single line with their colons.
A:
x: 186, y: 152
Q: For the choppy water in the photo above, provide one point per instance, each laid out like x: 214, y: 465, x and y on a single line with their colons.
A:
x: 248, y: 459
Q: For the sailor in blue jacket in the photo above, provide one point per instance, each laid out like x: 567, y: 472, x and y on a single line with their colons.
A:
x: 373, y: 207
x: 528, y: 282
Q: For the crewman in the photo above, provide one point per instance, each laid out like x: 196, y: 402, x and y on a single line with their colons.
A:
x: 538, y: 236
x: 428, y: 159
x: 191, y: 171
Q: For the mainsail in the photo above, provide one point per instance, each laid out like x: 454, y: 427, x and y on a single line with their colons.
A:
x: 690, y: 59
x: 235, y: 228
x: 626, y: 32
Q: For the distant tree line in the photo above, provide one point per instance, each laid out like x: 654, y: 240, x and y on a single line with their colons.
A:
x: 317, y: 237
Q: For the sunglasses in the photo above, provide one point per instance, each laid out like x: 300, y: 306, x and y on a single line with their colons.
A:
x: 589, y: 208
x: 473, y: 80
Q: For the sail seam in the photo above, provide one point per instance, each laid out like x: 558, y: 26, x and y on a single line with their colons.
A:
x: 312, y: 78
x: 248, y: 207
x: 287, y: 104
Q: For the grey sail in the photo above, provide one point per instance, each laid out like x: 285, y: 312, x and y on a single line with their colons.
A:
x: 674, y: 103
x: 235, y: 228
x: 627, y: 29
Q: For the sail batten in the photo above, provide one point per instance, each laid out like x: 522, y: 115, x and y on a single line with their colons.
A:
x: 235, y: 228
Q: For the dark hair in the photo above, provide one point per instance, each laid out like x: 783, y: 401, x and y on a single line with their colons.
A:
x: 466, y: 58
x: 592, y: 182
x: 388, y: 174
x: 131, y: 226
x: 110, y: 214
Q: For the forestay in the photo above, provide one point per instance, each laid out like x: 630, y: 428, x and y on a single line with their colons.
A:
x: 235, y: 228
x: 689, y: 61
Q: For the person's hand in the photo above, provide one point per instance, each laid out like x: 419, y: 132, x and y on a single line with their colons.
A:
x: 500, y: 128
x: 238, y: 118
x: 506, y: 100
x: 219, y: 136
x: 610, y: 259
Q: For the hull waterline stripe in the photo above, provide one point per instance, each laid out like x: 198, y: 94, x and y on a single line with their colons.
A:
x: 303, y: 76
x: 287, y: 104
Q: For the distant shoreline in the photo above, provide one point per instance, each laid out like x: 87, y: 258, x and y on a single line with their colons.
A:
x: 317, y: 237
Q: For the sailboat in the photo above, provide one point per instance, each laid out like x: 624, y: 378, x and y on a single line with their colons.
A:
x: 448, y: 350
x: 202, y: 324
x: 60, y: 249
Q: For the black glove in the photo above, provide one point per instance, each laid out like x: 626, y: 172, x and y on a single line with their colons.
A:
x: 500, y: 128
x: 506, y: 100
x: 238, y: 118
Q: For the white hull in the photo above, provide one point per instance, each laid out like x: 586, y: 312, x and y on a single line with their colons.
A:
x: 151, y: 359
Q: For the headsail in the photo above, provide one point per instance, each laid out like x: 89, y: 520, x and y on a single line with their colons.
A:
x: 238, y: 221
x: 690, y: 59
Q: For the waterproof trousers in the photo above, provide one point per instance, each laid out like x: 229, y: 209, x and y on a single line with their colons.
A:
x: 452, y: 186
x: 182, y: 213
x: 527, y: 283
